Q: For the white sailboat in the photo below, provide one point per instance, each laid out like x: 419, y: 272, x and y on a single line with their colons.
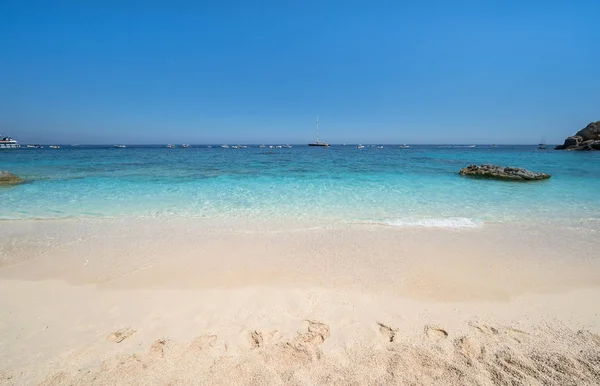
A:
x: 317, y: 142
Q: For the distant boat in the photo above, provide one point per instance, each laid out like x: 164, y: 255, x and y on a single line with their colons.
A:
x: 360, y: 147
x: 471, y: 145
x: 287, y: 146
x: 54, y: 147
x: 242, y: 146
x: 210, y: 147
x: 262, y: 146
x: 542, y: 145
x: 225, y: 146
x: 120, y: 146
x: 380, y: 147
x: 404, y: 146
x: 317, y: 142
x: 186, y: 146
x: 171, y: 146
x: 8, y: 143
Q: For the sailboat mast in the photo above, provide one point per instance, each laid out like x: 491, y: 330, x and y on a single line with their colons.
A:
x: 317, y: 129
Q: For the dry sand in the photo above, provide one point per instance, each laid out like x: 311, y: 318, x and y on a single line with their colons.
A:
x: 195, y: 302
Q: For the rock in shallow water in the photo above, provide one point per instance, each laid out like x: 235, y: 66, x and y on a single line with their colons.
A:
x: 502, y: 173
x: 7, y: 178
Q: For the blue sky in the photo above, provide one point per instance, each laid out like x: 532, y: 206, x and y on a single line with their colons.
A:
x: 260, y: 71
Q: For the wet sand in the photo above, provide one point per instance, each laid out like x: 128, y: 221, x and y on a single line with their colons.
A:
x: 187, y: 302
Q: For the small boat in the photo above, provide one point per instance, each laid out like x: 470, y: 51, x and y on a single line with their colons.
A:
x: 317, y: 142
x: 404, y: 146
x: 471, y: 145
x: 171, y: 146
x: 262, y: 146
x: 360, y: 147
x: 225, y: 146
x: 210, y: 147
x: 8, y: 143
x: 120, y: 146
x: 235, y: 147
x: 278, y: 147
x: 54, y: 147
x: 380, y: 147
x: 186, y: 146
x: 30, y: 146
x: 242, y: 146
x: 542, y: 145
x: 271, y: 147
x: 287, y: 146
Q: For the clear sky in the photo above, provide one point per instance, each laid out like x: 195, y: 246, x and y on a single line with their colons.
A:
x: 503, y: 71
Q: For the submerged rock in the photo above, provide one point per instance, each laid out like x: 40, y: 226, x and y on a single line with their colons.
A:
x: 587, y: 138
x: 7, y: 178
x: 502, y: 173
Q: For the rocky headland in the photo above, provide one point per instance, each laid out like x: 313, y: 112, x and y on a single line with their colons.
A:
x: 587, y: 138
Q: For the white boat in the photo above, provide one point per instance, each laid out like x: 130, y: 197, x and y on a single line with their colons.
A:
x: 120, y: 146
x: 404, y: 146
x: 171, y: 146
x: 317, y: 142
x: 225, y: 146
x: 262, y: 146
x: 287, y: 146
x: 278, y: 147
x: 8, y: 143
x: 271, y: 147
x: 380, y: 147
x: 471, y: 145
x: 242, y: 146
x: 186, y: 146
x: 360, y: 147
x: 54, y: 147
x: 210, y: 147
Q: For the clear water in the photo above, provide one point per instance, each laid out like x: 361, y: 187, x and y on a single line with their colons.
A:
x: 419, y: 186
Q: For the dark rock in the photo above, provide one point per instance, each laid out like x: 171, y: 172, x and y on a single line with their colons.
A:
x: 502, y: 173
x: 585, y: 139
x: 7, y: 178
x: 590, y: 132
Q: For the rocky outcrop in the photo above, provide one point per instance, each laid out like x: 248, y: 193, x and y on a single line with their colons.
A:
x: 7, y: 178
x: 502, y: 173
x: 585, y: 139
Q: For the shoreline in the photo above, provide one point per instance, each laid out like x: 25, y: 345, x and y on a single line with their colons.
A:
x: 369, y: 304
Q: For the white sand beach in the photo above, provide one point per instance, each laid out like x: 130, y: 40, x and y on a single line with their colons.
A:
x: 195, y: 302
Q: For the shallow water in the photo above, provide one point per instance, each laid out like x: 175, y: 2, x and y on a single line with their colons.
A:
x: 418, y: 186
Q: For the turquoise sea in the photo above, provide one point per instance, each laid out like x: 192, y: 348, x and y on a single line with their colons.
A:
x: 418, y: 186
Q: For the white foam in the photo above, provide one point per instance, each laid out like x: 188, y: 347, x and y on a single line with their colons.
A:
x: 452, y: 222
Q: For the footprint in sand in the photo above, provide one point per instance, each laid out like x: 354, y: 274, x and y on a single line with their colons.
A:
x: 387, y: 332
x: 435, y: 333
x: 121, y: 335
x: 260, y: 338
x: 201, y: 343
x: 468, y: 348
x: 157, y: 350
x: 485, y: 329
